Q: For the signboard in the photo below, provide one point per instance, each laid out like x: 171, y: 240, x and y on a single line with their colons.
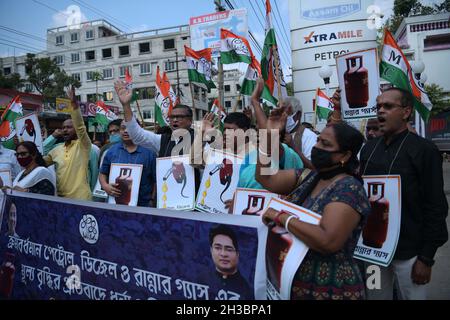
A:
x: 378, y: 240
x: 29, y: 129
x: 128, y: 178
x: 205, y: 30
x: 175, y: 181
x: 63, y: 105
x: 359, y: 81
x: 65, y: 249
x: 251, y: 202
x: 284, y: 252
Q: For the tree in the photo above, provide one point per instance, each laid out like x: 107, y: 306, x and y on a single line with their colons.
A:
x: 290, y: 88
x: 407, y: 8
x: 11, y: 81
x: 438, y: 97
x: 47, y: 78
x: 96, y: 76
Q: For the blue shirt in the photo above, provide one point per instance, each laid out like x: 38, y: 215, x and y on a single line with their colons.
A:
x: 118, y: 154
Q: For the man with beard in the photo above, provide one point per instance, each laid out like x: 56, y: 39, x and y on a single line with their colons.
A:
x: 72, y: 157
x: 423, y: 205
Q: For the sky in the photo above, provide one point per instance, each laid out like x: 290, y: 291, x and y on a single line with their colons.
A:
x: 32, y: 18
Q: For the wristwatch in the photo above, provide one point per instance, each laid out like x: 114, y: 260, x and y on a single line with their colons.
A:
x: 426, y: 261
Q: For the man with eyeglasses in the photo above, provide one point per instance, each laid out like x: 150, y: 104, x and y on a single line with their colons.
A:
x: 225, y: 255
x: 423, y: 205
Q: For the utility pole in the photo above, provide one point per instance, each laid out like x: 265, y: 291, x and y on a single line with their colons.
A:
x: 220, y: 8
x: 178, y: 75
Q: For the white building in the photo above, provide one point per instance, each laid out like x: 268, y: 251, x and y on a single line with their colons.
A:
x: 98, y: 46
x: 427, y: 39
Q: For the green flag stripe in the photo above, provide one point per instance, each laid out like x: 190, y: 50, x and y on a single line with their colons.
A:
x: 227, y: 57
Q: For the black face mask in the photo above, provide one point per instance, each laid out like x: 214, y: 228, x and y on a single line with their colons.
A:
x: 321, y: 159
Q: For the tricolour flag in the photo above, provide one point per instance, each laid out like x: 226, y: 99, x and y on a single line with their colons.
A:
x: 249, y: 83
x: 269, y: 66
x: 103, y: 116
x: 129, y: 82
x: 199, y: 66
x: 395, y: 68
x: 234, y: 48
x: 7, y: 124
x: 219, y: 113
x: 163, y: 101
x: 323, y: 105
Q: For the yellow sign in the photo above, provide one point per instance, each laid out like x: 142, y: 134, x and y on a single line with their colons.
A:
x: 63, y: 105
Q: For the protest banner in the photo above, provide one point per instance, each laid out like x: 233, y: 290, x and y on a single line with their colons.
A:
x: 28, y: 129
x: 57, y: 248
x: 378, y: 240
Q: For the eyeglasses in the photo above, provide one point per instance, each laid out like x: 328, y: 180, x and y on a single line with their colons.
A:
x: 22, y: 154
x: 179, y: 116
x: 388, y: 106
x: 219, y: 248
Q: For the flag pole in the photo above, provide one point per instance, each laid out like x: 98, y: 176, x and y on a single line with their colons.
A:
x: 193, y: 100
x: 140, y: 114
x: 277, y: 60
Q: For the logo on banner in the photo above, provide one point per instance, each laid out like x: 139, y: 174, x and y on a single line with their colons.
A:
x: 89, y: 229
x: 317, y: 10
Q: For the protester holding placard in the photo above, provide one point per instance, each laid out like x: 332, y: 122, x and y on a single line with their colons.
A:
x: 423, y: 203
x: 35, y: 177
x: 338, y: 196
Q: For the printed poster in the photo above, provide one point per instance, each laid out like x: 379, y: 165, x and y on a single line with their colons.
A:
x: 28, y: 129
x: 175, y: 180
x: 6, y: 177
x: 251, y: 202
x: 285, y: 252
x: 128, y: 178
x: 359, y: 81
x: 63, y: 105
x: 219, y: 181
x: 378, y: 240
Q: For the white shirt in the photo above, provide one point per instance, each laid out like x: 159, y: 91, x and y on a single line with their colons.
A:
x: 142, y: 137
x: 309, y: 140
x: 8, y: 161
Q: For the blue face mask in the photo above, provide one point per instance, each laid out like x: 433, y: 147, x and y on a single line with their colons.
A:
x: 115, y: 138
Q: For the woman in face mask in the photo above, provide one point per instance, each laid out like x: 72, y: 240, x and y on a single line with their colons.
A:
x: 34, y: 177
x: 328, y: 271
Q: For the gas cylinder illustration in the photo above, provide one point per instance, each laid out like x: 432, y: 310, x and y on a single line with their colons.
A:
x: 255, y: 205
x: 124, y: 181
x: 225, y: 173
x: 279, y: 241
x: 356, y: 80
x: 7, y: 271
x: 375, y: 231
x: 179, y: 174
x: 29, y: 127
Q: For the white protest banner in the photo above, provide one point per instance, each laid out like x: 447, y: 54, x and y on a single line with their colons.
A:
x: 359, y: 81
x: 284, y: 252
x: 219, y: 181
x: 5, y: 176
x: 379, y: 238
x: 28, y: 129
x: 175, y: 181
x: 251, y: 202
x: 128, y: 178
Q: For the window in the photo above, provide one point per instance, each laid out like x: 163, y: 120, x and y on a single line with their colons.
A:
x: 89, y: 34
x: 75, y: 57
x: 28, y: 87
x: 148, y: 114
x: 59, y: 60
x: 107, y: 53
x: 7, y: 71
x: 145, y: 93
x: 124, y: 51
x: 89, y: 75
x: 145, y: 68
x: 108, y: 96
x: 238, y: 87
x: 107, y: 73
x: 76, y: 76
x: 90, y: 55
x: 122, y: 71
x: 169, y: 44
x: 169, y: 65
x: 91, y: 97
x: 59, y: 40
x: 74, y: 37
x: 227, y: 88
x: 227, y: 104
x: 144, y: 47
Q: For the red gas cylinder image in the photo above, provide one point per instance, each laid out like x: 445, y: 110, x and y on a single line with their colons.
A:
x: 225, y: 174
x: 356, y: 80
x: 125, y: 181
x: 255, y: 205
x: 375, y: 231
x: 279, y: 241
x: 179, y: 174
